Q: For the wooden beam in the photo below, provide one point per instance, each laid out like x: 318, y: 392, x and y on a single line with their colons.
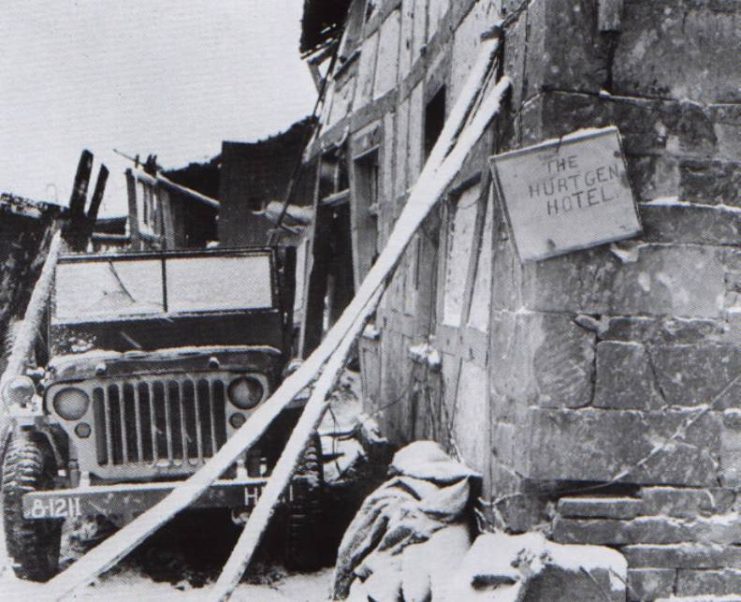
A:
x: 133, y: 219
x: 312, y: 415
x: 97, y: 198
x: 78, y: 198
x: 30, y: 327
x: 316, y: 406
x: 430, y: 187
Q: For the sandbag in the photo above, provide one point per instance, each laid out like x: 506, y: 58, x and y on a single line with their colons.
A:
x: 427, y: 492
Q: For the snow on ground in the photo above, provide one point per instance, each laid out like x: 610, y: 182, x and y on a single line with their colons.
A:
x: 130, y: 586
x: 176, y: 575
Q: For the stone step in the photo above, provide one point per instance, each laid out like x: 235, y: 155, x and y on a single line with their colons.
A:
x: 651, y: 583
x: 722, y: 529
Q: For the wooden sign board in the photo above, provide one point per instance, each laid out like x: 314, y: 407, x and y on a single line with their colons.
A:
x: 567, y: 194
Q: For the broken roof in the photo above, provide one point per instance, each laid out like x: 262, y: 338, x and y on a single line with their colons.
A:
x: 322, y: 23
x: 10, y: 203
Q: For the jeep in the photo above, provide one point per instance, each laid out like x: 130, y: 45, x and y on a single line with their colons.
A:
x: 154, y: 361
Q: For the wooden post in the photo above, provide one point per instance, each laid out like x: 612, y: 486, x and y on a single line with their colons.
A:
x: 133, y: 211
x: 78, y: 198
x: 81, y: 228
x: 97, y: 198
x: 75, y: 233
x: 30, y: 326
x: 432, y: 182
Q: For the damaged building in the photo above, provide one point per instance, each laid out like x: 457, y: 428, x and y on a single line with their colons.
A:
x: 598, y: 391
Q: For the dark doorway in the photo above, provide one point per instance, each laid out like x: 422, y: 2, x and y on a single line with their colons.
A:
x: 331, y: 280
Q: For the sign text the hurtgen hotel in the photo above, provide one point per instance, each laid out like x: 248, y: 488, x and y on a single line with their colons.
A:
x: 567, y: 194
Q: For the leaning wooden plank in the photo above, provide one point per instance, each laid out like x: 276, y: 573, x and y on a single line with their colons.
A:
x: 25, y: 338
x: 425, y: 193
x: 121, y: 543
x: 30, y: 326
x: 310, y: 418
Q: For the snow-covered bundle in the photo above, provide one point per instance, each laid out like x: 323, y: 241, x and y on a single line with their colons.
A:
x: 428, y: 499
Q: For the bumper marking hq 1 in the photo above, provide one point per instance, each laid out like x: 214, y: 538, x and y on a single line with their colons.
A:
x: 134, y: 498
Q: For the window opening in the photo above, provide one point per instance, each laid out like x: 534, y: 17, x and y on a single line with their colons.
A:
x: 434, y: 120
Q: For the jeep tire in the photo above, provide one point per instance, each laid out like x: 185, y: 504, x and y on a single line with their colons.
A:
x: 32, y: 544
x: 304, y: 549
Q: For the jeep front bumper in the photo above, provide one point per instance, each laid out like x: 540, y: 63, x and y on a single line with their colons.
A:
x: 128, y: 500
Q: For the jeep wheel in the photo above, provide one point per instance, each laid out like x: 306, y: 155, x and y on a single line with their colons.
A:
x: 32, y: 544
x: 303, y: 550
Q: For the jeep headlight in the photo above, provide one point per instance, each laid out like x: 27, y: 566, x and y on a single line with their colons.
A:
x: 71, y: 403
x: 246, y: 392
x: 19, y: 391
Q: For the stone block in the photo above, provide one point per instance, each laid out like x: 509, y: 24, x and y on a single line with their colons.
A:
x: 710, y: 182
x: 731, y: 468
x: 693, y: 375
x: 601, y: 445
x: 563, y: 363
x: 686, y: 502
x: 565, y: 112
x: 539, y: 570
x: 511, y: 351
x: 706, y: 583
x: 645, y: 585
x: 647, y: 126
x: 544, y: 357
x: 617, y: 532
x: 650, y: 330
x: 683, y: 556
x: 679, y: 50
x: 730, y: 455
x: 727, y: 125
x: 720, y: 528
x: 599, y: 507
x: 682, y: 281
x: 574, y: 55
x: 557, y: 584
x: 645, y: 530
x: 688, y: 223
x: 732, y: 260
x: 625, y: 377
x: 653, y: 176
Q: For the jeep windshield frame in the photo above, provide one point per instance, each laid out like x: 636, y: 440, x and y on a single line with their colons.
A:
x: 162, y: 285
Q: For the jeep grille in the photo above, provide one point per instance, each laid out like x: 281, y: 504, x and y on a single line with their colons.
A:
x: 174, y: 421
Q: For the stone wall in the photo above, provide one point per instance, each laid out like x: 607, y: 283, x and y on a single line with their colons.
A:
x: 619, y: 367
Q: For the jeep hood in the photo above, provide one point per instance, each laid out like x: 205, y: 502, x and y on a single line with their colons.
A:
x: 102, y: 363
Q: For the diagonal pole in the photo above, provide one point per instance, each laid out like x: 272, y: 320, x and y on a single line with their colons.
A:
x: 124, y: 541
x: 25, y: 339
x: 317, y: 405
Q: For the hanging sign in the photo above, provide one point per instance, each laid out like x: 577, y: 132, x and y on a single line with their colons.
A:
x: 567, y: 194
